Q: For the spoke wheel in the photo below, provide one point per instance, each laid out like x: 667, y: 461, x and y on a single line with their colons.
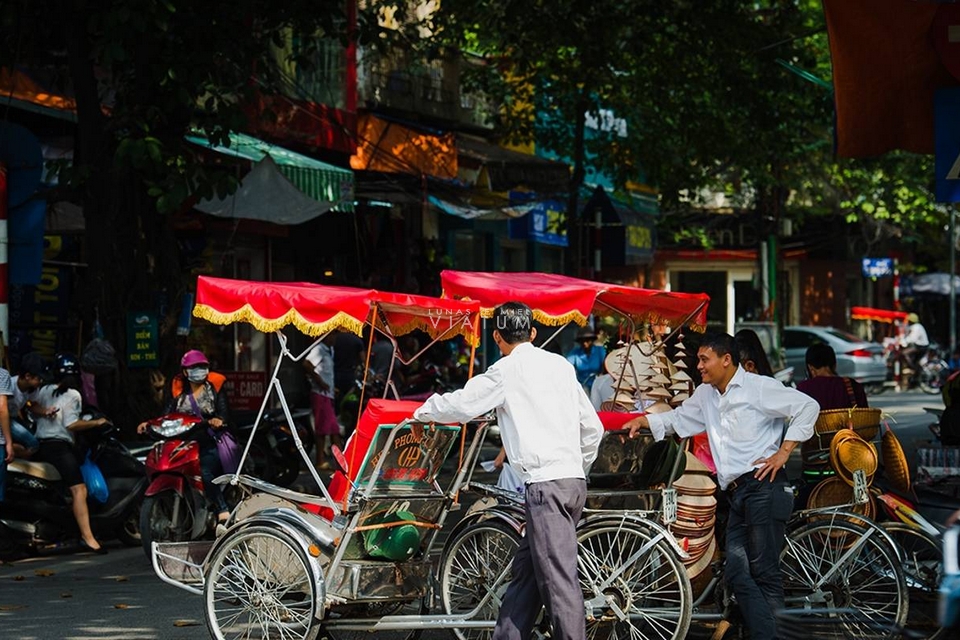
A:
x: 476, y: 562
x: 636, y: 588
x: 923, y: 568
x: 849, y: 570
x: 259, y: 585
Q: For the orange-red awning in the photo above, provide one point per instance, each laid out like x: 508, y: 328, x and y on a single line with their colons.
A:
x: 317, y: 309
x: 557, y: 299
x: 889, y: 58
x: 880, y: 315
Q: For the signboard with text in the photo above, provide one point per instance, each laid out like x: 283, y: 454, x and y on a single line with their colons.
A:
x: 245, y: 389
x: 877, y: 267
x: 142, y: 340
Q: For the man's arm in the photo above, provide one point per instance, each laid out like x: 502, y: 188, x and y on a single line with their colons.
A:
x: 480, y: 395
x: 801, y: 409
x: 591, y: 430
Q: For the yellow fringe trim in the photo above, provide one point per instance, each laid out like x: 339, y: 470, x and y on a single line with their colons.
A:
x: 469, y: 334
x: 292, y: 317
x: 544, y: 318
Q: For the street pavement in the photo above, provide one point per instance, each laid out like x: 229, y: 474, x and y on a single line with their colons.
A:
x: 118, y: 597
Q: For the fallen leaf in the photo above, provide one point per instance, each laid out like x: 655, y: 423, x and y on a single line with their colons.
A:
x: 66, y: 594
x: 186, y: 623
x: 44, y: 573
x: 122, y: 578
x: 12, y: 607
x: 120, y: 605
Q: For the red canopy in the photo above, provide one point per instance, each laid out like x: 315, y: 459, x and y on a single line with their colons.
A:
x: 317, y: 309
x: 557, y: 299
x: 880, y: 315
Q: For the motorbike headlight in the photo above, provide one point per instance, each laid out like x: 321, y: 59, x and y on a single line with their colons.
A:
x: 171, y: 427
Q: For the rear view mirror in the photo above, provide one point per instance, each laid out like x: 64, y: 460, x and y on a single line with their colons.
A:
x: 340, y: 460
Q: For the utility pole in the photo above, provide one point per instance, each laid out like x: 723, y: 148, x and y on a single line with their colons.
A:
x: 952, y: 236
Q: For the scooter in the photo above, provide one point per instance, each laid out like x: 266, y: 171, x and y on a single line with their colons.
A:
x: 174, y: 508
x: 273, y: 455
x: 37, y: 509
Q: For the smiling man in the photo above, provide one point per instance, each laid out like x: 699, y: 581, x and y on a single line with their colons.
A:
x: 743, y: 415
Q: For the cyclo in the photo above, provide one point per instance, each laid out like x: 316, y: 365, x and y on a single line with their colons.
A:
x: 358, y: 557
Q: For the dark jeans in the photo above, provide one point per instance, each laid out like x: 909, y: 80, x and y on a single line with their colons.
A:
x: 211, y: 468
x: 759, y: 511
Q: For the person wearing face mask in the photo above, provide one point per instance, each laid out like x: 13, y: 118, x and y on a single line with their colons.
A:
x: 198, y: 391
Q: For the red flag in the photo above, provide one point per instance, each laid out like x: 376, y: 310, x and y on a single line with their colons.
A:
x: 886, y: 67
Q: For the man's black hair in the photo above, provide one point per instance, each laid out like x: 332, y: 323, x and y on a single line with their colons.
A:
x: 514, y: 321
x: 722, y: 344
x: 820, y: 354
x: 32, y: 363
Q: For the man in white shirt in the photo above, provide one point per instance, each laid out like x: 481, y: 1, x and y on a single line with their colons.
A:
x: 551, y: 435
x: 914, y: 341
x: 743, y: 415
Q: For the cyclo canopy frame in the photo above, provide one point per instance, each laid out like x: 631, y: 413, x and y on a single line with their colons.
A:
x: 317, y: 310
x: 557, y: 300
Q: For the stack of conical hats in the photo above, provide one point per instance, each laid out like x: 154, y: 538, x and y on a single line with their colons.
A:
x: 681, y: 384
x: 696, y: 520
x: 631, y: 368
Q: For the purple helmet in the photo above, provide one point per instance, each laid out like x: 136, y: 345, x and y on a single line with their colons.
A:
x: 192, y: 358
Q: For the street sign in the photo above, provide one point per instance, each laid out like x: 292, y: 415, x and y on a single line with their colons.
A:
x: 946, y: 109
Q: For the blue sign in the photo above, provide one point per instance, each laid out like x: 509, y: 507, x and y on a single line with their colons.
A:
x: 877, y: 267
x: 946, y: 106
x: 545, y: 224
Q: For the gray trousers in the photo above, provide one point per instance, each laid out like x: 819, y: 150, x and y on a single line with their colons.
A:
x: 545, y: 566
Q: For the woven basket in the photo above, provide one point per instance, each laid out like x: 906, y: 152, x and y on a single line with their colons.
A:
x: 855, y: 418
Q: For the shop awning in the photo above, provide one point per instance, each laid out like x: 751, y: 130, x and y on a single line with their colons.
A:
x: 318, y: 180
x: 392, y: 147
x: 494, y: 168
x: 879, y: 315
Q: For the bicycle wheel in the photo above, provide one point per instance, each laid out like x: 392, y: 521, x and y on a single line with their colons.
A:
x: 475, y: 563
x: 842, y: 566
x: 923, y: 568
x: 260, y: 585
x: 636, y: 587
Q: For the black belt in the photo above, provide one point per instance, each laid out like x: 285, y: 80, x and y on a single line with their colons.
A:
x: 740, y: 481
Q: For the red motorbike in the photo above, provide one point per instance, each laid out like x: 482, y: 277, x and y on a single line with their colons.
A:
x: 174, y: 507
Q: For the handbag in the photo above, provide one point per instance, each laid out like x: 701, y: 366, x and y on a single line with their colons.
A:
x: 228, y: 450
x: 93, y: 478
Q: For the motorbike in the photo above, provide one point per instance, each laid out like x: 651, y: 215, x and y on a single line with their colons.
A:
x: 273, y: 453
x: 931, y: 372
x: 37, y: 510
x: 175, y: 507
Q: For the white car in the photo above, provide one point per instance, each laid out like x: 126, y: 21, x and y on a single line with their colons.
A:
x: 863, y: 361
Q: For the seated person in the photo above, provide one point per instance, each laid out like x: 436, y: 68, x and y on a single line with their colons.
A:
x: 25, y: 385
x: 825, y: 386
x: 56, y: 432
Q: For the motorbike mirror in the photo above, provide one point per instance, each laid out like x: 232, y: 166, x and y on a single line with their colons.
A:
x: 340, y: 460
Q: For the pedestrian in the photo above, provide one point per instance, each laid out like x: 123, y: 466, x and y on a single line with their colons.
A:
x: 743, y: 415
x: 57, y: 431
x: 587, y: 357
x: 753, y: 358
x: 348, y: 351
x: 825, y: 386
x: 319, y: 366
x: 25, y: 385
x: 6, y: 439
x: 551, y: 435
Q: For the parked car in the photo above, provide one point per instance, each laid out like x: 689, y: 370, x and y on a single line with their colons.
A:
x: 863, y: 361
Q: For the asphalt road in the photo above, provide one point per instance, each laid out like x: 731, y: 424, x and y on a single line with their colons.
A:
x: 118, y: 597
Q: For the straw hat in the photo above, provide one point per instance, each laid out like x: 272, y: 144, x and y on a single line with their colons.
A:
x: 849, y: 452
x: 895, y: 465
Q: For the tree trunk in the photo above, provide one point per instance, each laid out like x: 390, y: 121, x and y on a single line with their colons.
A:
x: 575, y: 231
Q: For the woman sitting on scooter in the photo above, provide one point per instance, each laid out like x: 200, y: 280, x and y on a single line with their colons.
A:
x: 197, y: 391
x: 56, y: 430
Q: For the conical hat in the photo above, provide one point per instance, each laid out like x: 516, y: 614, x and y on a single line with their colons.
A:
x: 680, y: 397
x: 681, y: 376
x: 680, y: 386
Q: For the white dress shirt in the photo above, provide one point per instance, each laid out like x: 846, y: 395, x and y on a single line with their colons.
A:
x: 321, y: 359
x: 744, y: 424
x: 549, y: 428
